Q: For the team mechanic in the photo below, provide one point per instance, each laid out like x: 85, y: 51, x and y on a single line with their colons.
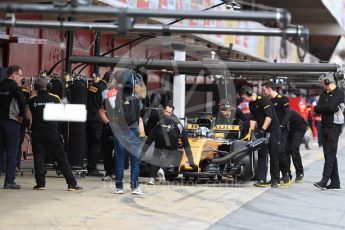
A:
x: 45, y: 138
x: 94, y: 125
x: 25, y: 123
x: 282, y: 108
x: 108, y: 102
x: 331, y: 107
x: 166, y: 134
x: 296, y: 130
x: 264, y: 117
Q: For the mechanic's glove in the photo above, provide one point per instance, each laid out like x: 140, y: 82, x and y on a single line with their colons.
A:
x: 142, y: 134
x: 261, y: 133
x: 194, y: 167
x: 248, y: 137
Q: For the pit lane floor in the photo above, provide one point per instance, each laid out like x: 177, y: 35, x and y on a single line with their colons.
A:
x: 175, y: 205
x: 300, y: 206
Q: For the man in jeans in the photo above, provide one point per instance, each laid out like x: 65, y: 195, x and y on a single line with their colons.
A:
x: 124, y: 122
x: 12, y: 111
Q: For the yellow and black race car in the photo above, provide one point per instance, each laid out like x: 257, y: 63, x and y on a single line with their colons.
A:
x: 211, y: 146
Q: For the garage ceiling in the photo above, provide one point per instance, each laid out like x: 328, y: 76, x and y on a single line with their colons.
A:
x: 325, y: 32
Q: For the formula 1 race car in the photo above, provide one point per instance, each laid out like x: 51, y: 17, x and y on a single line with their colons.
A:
x: 217, y: 152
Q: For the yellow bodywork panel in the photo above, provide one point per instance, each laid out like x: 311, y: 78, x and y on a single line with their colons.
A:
x: 201, y: 148
x: 192, y: 126
x: 226, y: 128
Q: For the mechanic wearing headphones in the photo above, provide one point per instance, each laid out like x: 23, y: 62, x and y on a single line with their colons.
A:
x: 331, y: 107
x: 263, y: 115
x: 45, y: 138
x: 94, y: 125
x: 282, y: 108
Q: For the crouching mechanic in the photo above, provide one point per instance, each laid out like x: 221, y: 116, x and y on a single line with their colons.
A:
x: 45, y: 138
x: 166, y: 135
x: 262, y: 115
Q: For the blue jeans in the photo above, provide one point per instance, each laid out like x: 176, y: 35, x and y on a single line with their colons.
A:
x: 9, y: 142
x: 127, y: 139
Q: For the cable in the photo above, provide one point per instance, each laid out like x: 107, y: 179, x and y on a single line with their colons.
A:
x: 301, y: 42
x: 258, y: 5
x: 81, y: 46
x: 112, y: 50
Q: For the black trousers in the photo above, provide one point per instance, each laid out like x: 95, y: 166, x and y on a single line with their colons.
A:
x: 107, y: 152
x: 284, y: 156
x: 153, y: 170
x: 49, y: 143
x: 273, y: 150
x: 21, y: 140
x: 155, y: 163
x: 295, y: 139
x: 330, y: 136
x: 94, y: 135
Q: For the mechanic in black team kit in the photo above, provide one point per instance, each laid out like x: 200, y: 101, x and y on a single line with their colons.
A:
x: 45, y: 138
x: 297, y: 128
x: 331, y: 107
x: 262, y: 115
x: 282, y: 107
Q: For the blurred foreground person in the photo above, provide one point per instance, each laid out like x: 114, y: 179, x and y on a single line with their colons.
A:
x: 125, y: 125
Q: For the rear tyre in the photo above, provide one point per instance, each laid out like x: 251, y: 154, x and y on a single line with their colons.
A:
x: 171, y: 176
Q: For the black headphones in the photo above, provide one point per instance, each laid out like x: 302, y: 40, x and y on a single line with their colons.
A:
x: 38, y: 82
x: 326, y: 79
x: 246, y: 90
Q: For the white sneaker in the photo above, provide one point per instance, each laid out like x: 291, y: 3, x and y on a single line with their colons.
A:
x: 137, y: 191
x: 107, y: 178
x: 118, y: 191
x: 151, y: 181
x: 160, y: 174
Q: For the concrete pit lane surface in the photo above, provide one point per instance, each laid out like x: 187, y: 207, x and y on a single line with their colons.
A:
x: 177, y: 204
